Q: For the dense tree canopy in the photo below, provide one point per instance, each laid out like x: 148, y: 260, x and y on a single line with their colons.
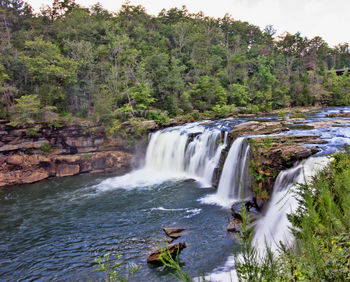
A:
x: 96, y: 64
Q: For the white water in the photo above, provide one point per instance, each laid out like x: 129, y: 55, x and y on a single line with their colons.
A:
x: 274, y: 226
x: 233, y: 178
x: 189, y: 151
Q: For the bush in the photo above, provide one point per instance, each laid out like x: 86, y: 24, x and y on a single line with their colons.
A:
x: 46, y: 148
x: 113, y: 270
x: 223, y: 111
x: 282, y: 114
x: 298, y: 114
x: 32, y: 133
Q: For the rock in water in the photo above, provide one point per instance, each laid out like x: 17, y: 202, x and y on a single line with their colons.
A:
x: 173, y: 232
x: 174, y: 249
x: 190, y: 180
x: 234, y: 225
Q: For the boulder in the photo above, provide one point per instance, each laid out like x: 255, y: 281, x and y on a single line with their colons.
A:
x: 174, y: 249
x: 173, y: 232
x: 190, y: 180
x: 234, y: 225
x: 15, y: 160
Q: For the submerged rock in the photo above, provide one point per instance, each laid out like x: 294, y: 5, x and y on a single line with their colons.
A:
x: 174, y: 250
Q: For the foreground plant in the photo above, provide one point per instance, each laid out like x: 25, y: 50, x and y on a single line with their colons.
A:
x: 321, y: 226
x: 167, y: 258
x: 113, y: 270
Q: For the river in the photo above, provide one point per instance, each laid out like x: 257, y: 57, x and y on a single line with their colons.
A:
x: 53, y: 230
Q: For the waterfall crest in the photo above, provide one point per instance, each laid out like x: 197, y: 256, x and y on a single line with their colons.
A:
x: 189, y: 151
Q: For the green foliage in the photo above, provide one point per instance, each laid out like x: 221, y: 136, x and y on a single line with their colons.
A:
x: 282, y: 114
x: 251, y: 265
x: 56, y: 124
x: 321, y: 226
x: 160, y: 117
x: 101, y: 66
x: 27, y: 110
x: 298, y: 114
x: 206, y: 93
x: 339, y: 89
x: 125, y: 112
x: 113, y: 270
x: 141, y: 94
x: 223, y: 111
x: 169, y: 261
x: 46, y: 148
x: 32, y: 133
x: 238, y: 95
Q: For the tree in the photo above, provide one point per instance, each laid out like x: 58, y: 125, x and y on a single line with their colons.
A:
x: 207, y: 93
x: 49, y: 70
x: 27, y: 109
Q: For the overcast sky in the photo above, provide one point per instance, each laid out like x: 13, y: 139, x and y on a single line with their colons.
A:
x: 329, y: 19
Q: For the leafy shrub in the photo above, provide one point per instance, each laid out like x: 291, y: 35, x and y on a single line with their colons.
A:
x: 282, y: 114
x: 32, y: 133
x: 46, y: 148
x: 222, y: 111
x: 298, y: 114
x: 113, y: 270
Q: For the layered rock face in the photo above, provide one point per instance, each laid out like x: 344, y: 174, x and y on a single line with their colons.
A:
x: 271, y: 155
x: 30, y: 154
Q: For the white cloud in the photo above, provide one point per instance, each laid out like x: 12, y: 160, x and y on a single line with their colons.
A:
x: 326, y: 18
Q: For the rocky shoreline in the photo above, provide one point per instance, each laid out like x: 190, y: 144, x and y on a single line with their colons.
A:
x: 32, y: 153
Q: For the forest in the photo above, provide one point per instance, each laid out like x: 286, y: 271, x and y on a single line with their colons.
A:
x: 90, y: 63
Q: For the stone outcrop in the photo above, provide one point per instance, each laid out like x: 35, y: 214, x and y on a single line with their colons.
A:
x: 30, y: 154
x: 174, y: 232
x: 340, y: 114
x: 174, y: 250
x: 256, y: 128
x: 270, y: 155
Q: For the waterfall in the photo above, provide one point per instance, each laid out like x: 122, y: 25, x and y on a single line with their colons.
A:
x: 274, y: 226
x: 234, y: 179
x: 189, y: 151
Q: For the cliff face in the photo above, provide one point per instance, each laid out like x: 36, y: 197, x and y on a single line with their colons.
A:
x: 30, y: 154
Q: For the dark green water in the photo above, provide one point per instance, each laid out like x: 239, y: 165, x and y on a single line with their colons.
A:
x: 53, y: 230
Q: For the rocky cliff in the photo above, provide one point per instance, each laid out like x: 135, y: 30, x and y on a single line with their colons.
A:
x: 33, y: 153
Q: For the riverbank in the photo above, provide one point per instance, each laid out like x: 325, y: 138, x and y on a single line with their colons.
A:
x: 32, y: 153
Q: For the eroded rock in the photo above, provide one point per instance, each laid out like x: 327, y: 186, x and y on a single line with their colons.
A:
x: 173, y: 232
x: 174, y: 249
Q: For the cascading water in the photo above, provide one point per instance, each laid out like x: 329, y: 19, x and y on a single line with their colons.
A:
x: 234, y: 180
x: 274, y: 226
x: 189, y: 151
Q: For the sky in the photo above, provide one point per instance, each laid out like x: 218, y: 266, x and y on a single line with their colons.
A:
x: 329, y: 19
